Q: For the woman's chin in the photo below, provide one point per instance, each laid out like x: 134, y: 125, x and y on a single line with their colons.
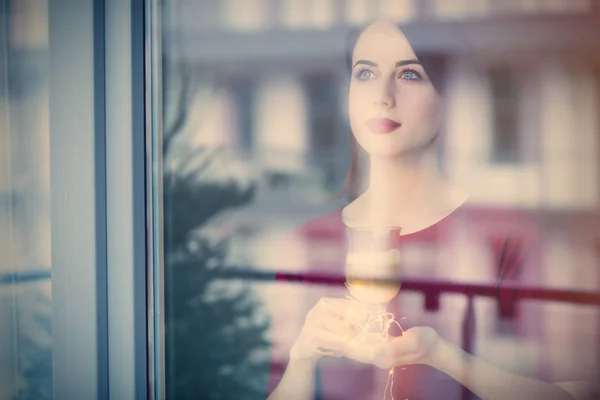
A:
x: 388, y: 152
x: 396, y: 150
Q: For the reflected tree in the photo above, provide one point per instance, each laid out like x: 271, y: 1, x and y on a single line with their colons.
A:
x: 214, y: 335
x: 213, y: 332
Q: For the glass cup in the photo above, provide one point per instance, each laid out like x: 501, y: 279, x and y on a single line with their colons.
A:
x: 372, y: 264
x: 372, y: 273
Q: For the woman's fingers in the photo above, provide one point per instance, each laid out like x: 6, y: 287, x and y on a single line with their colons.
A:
x: 387, y: 355
x: 325, y: 341
x: 326, y: 330
x: 334, y: 343
x: 324, y: 352
x: 336, y: 326
x: 398, y: 351
x: 331, y: 315
x: 339, y: 326
x: 337, y: 307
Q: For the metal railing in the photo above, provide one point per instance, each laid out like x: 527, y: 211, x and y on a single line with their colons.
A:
x: 431, y: 290
x: 23, y: 277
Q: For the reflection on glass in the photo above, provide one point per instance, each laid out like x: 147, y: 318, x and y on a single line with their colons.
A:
x: 256, y: 140
x: 25, y: 298
x: 211, y: 328
x: 215, y: 337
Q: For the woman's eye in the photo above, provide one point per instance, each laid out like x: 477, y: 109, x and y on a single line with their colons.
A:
x: 364, y: 75
x: 410, y: 75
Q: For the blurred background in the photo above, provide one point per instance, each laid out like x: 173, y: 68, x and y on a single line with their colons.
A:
x: 256, y: 142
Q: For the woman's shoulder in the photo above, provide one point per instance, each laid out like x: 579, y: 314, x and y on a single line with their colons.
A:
x: 502, y: 224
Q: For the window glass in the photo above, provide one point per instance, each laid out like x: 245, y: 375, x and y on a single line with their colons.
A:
x: 256, y: 147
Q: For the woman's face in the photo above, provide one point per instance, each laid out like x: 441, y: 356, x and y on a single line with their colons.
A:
x: 394, y: 109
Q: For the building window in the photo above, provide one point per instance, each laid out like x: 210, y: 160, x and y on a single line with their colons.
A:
x: 28, y: 23
x: 449, y: 9
x: 323, y: 13
x: 243, y: 96
x: 281, y: 124
x: 358, y: 11
x: 398, y: 10
x: 505, y: 129
x: 295, y: 14
x: 323, y: 97
x: 246, y: 15
x: 424, y: 9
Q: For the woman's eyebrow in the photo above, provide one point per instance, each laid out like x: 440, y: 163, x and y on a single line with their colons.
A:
x: 407, y: 62
x: 365, y: 62
x: 398, y: 64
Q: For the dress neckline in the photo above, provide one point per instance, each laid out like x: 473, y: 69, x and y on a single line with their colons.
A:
x: 443, y: 220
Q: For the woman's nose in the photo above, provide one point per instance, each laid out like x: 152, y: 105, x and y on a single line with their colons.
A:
x: 386, y: 97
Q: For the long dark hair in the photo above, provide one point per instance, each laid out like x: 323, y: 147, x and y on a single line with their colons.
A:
x: 434, y: 64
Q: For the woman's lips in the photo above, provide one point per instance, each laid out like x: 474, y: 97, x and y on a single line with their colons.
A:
x: 382, y: 125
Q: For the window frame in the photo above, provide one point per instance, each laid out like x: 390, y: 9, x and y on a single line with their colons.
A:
x: 155, y: 308
x: 97, y: 170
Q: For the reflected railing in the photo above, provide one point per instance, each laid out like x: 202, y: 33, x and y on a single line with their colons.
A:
x: 25, y: 277
x: 431, y: 290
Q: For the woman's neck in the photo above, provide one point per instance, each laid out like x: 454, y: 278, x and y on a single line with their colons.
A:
x: 405, y: 185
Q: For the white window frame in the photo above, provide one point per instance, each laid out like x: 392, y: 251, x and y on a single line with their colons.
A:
x: 97, y: 146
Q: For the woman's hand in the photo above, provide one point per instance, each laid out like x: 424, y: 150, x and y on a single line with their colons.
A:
x: 418, y: 345
x: 325, y: 331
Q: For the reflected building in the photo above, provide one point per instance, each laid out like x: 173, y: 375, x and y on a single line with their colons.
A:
x: 24, y: 182
x: 523, y: 81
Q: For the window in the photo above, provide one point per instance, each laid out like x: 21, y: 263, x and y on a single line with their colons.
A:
x: 450, y: 9
x: 424, y: 8
x: 295, y: 14
x: 236, y: 264
x: 505, y: 129
x: 323, y: 13
x: 358, y: 11
x: 399, y: 10
x: 325, y: 125
x: 243, y: 96
x: 67, y: 127
x: 246, y: 15
x: 281, y: 127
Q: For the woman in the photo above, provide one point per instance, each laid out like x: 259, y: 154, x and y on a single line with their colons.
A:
x: 396, y: 110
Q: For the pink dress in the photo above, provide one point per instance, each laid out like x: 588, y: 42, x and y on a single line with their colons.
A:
x: 509, y: 244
